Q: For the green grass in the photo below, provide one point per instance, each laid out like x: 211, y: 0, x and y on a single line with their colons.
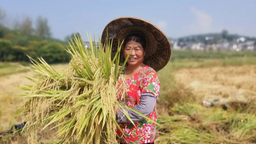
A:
x: 11, y: 68
x: 197, y: 55
x: 194, y: 123
x: 199, y: 63
x: 4, y: 65
x: 195, y: 59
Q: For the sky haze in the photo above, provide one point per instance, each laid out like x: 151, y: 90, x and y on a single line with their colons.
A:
x: 174, y: 18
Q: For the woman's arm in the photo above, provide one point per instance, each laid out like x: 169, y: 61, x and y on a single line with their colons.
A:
x: 146, y: 107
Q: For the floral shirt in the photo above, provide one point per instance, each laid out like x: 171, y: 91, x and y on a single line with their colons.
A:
x: 144, y: 81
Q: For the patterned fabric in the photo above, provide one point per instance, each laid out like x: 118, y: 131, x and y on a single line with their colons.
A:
x: 145, y: 80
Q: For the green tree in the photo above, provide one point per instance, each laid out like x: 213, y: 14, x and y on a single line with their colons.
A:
x: 1, y: 31
x: 42, y: 28
x: 26, y: 27
x: 2, y: 16
x: 224, y: 34
x: 16, y: 24
x: 53, y: 53
x: 5, y: 48
x: 71, y: 37
x: 22, y: 41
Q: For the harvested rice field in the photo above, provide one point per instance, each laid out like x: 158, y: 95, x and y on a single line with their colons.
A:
x: 220, y: 84
x: 10, y: 89
x: 209, y: 105
x: 10, y: 84
x: 185, y: 122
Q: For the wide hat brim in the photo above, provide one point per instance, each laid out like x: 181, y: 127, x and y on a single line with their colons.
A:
x: 158, y: 49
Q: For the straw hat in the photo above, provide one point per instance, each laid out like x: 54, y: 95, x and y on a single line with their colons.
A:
x: 158, y: 49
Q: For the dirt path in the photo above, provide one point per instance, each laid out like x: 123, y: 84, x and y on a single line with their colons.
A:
x: 223, y: 83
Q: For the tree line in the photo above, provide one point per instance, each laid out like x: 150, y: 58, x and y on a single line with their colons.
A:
x: 22, y: 39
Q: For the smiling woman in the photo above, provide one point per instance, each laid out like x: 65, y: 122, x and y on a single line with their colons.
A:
x: 146, y: 50
x: 134, y: 48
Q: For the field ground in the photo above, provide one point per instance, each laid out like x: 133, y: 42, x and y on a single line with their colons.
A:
x: 228, y: 114
x: 218, y: 84
x: 225, y: 84
x: 10, y: 88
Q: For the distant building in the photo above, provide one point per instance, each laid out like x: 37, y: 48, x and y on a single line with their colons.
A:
x: 197, y: 46
x: 223, y: 46
x: 87, y: 45
x: 249, y: 45
x: 211, y: 43
x: 255, y: 46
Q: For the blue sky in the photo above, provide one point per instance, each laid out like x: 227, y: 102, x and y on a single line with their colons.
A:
x: 175, y: 18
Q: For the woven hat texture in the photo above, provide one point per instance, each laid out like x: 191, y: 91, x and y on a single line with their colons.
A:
x: 158, y: 49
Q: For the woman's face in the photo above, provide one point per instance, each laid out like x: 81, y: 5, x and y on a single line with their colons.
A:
x: 137, y: 53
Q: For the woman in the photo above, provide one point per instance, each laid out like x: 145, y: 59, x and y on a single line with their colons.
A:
x: 149, y: 51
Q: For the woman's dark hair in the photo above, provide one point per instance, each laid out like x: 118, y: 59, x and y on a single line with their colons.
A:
x: 137, y: 38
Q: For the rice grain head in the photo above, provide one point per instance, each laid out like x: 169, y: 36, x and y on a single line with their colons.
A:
x: 79, y: 102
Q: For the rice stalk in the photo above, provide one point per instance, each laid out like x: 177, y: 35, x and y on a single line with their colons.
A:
x: 79, y: 102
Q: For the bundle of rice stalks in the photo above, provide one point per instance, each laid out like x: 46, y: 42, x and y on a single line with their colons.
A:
x: 79, y: 103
